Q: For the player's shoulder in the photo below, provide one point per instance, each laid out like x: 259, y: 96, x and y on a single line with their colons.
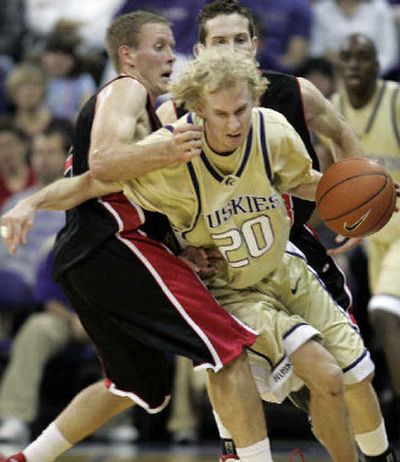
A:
x: 392, y: 85
x: 270, y: 116
x: 166, y: 112
x: 124, y: 85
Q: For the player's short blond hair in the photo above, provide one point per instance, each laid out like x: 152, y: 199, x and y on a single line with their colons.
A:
x: 215, y: 69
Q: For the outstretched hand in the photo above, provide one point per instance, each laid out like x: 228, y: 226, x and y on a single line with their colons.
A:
x: 345, y: 244
x: 15, y: 226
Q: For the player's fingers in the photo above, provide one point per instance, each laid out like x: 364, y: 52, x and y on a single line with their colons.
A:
x: 10, y: 237
x: 345, y: 247
x: 188, y: 128
x: 191, y: 154
x: 341, y: 239
x: 25, y: 228
x: 214, y: 254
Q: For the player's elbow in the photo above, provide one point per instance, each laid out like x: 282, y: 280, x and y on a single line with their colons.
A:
x: 99, y: 166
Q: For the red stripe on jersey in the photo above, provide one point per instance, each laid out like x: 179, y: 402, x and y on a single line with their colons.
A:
x: 128, y: 215
x: 68, y: 163
x: 289, y: 206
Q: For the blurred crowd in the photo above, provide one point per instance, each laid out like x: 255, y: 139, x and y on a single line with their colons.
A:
x: 52, y: 58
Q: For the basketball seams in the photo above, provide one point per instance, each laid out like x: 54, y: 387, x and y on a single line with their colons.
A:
x: 356, y: 197
x: 321, y: 196
x: 370, y: 198
x: 383, y: 218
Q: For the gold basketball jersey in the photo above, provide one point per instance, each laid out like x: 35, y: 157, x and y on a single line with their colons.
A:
x: 377, y: 127
x: 233, y: 201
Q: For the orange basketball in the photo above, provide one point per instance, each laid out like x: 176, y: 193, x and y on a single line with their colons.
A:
x: 356, y: 197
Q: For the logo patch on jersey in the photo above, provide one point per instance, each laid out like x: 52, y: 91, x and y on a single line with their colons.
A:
x: 296, y: 286
x: 353, y: 226
x: 230, y: 180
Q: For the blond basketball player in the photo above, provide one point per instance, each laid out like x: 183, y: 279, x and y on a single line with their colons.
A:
x: 372, y: 107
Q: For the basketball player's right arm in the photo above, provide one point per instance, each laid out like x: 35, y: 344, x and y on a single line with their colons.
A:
x: 121, y: 117
x: 323, y: 118
x: 62, y: 194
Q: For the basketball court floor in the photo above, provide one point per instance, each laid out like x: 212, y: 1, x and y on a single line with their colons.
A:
x: 93, y: 452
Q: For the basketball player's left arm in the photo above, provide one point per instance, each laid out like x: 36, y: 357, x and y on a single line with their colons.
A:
x: 323, y: 118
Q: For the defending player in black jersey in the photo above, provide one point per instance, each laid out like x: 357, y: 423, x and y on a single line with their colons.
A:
x: 136, y: 300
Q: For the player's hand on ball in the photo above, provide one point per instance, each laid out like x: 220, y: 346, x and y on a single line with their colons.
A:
x: 397, y: 186
x: 15, y: 226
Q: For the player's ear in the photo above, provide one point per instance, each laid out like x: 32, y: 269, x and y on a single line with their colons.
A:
x: 254, y: 45
x: 127, y: 55
x: 197, y: 48
x: 198, y: 109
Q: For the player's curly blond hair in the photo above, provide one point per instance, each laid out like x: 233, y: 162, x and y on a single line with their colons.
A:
x: 215, y: 69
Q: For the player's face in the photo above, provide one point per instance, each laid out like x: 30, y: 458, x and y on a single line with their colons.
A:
x: 154, y: 57
x: 227, y: 117
x: 358, y: 65
x: 230, y: 30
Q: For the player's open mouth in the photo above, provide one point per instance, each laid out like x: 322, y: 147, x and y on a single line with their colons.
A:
x: 166, y: 75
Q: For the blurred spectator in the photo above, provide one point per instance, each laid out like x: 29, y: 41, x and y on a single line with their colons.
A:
x: 285, y: 31
x: 17, y: 273
x: 15, y: 173
x: 68, y: 87
x: 12, y: 27
x: 336, y: 19
x: 321, y: 73
x: 26, y: 87
x: 41, y: 337
x: 90, y: 16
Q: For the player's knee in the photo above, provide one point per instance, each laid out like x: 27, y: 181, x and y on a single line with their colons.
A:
x: 327, y: 380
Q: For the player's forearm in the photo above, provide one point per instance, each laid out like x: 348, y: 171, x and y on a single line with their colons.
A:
x: 346, y: 143
x: 67, y: 193
x: 307, y: 191
x: 125, y: 162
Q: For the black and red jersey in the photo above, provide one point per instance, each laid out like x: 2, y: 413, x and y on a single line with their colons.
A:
x: 95, y: 221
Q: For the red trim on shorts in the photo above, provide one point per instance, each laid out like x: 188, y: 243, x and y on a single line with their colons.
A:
x: 224, y: 336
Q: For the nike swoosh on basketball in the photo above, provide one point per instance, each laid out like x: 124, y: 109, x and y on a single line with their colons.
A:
x: 294, y: 289
x: 352, y: 227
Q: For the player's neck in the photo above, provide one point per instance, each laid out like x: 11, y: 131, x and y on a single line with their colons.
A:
x: 360, y: 99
